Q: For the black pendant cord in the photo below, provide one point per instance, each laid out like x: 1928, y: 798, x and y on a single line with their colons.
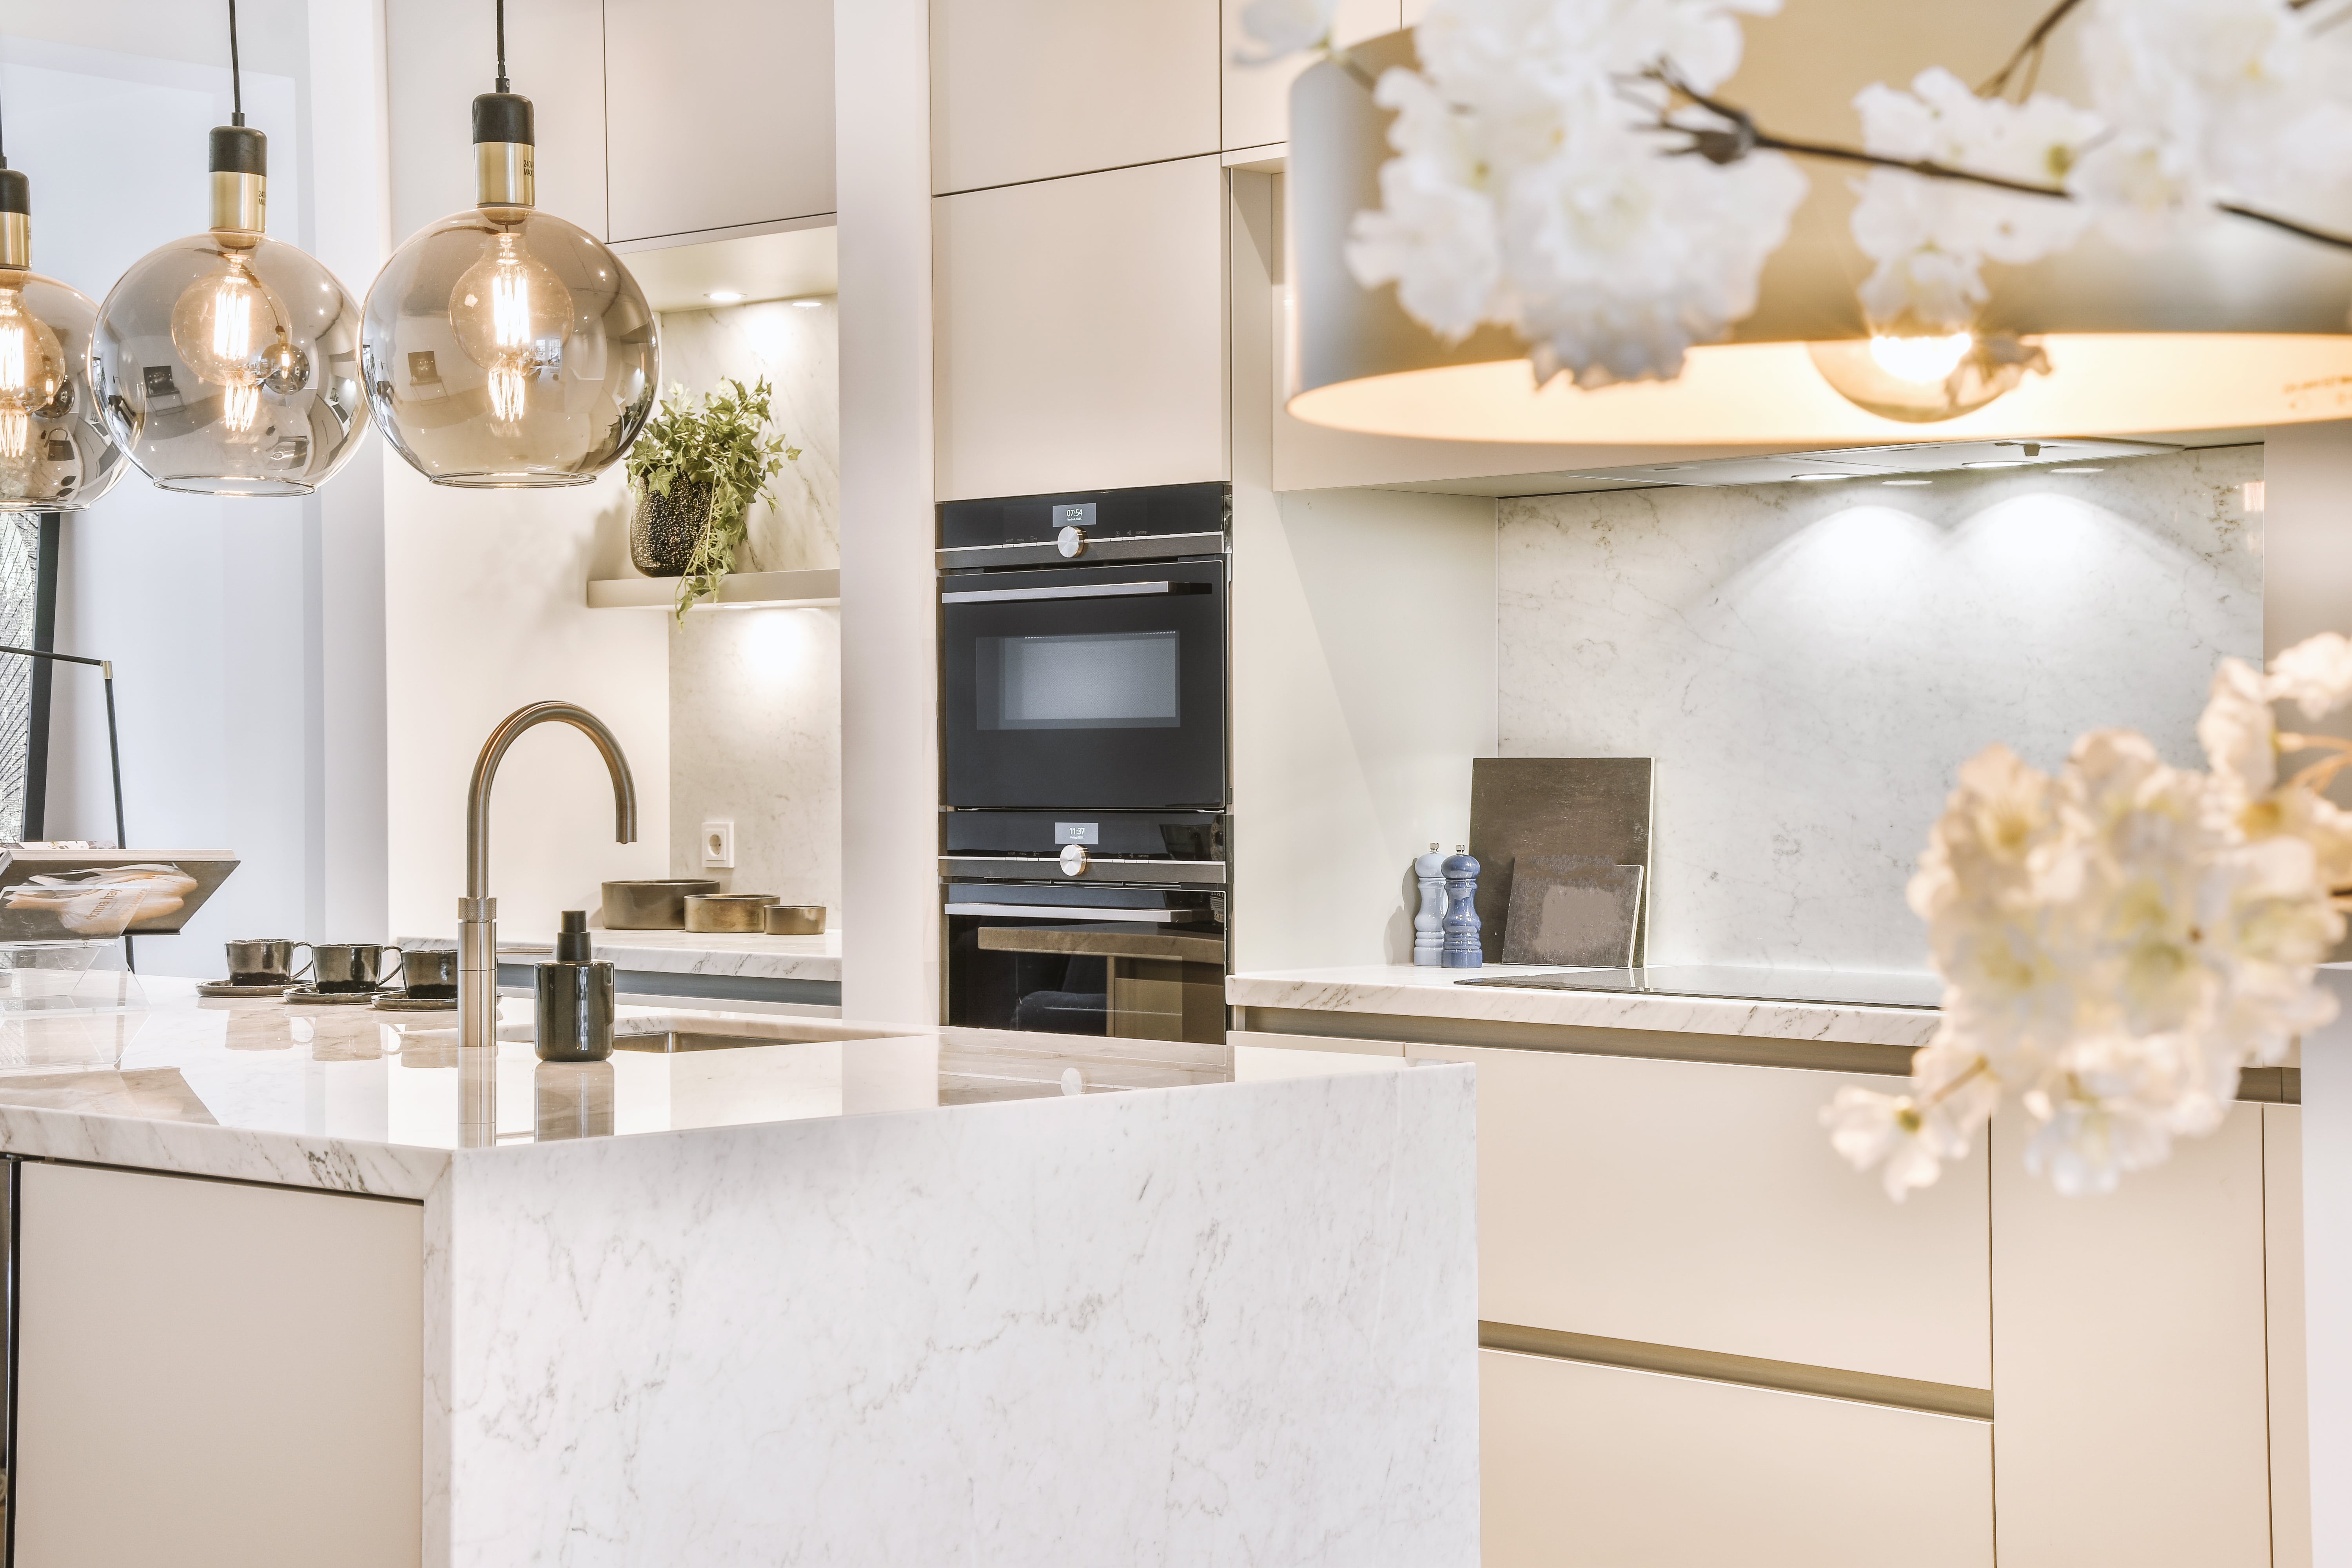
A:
x: 236, y: 75
x: 502, y: 45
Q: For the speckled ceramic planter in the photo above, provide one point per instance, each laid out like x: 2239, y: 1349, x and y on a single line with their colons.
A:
x: 664, y: 529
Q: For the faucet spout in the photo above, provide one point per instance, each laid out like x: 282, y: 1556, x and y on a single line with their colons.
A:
x: 477, y: 912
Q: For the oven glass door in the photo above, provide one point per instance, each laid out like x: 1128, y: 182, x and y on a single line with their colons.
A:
x: 1119, y: 978
x: 1101, y: 688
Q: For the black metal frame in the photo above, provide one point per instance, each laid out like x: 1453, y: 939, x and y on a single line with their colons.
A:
x: 45, y: 639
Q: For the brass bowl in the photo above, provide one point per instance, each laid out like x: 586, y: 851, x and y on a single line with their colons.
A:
x: 793, y: 920
x: 658, y: 905
x: 735, y: 913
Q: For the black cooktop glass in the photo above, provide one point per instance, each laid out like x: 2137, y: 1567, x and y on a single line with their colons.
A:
x: 1832, y: 988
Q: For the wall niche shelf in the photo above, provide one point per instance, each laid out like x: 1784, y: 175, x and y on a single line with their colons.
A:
x: 742, y: 591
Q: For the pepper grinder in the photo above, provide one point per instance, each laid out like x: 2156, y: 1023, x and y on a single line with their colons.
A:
x: 1462, y: 949
x: 575, y: 998
x: 1429, y: 925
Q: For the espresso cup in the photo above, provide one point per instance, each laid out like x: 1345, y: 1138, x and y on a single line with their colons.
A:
x: 263, y: 960
x: 349, y: 965
x: 430, y: 973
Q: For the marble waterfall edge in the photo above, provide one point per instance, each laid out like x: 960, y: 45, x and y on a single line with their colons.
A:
x: 1187, y: 1326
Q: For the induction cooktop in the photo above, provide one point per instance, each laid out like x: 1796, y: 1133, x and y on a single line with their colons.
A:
x: 1830, y: 987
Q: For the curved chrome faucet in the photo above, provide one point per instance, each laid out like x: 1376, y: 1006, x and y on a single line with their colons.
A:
x: 477, y: 912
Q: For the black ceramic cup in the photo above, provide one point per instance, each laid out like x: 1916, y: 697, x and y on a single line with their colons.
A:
x: 349, y: 965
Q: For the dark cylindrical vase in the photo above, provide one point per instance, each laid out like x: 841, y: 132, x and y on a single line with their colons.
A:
x: 664, y: 529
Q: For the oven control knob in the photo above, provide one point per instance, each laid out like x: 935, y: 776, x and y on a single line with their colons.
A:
x: 1071, y: 543
x: 1074, y: 860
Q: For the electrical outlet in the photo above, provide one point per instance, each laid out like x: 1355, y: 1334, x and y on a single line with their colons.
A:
x: 717, y: 846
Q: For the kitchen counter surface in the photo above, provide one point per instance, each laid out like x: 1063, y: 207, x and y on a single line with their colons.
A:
x: 352, y: 1100
x: 750, y: 957
x: 1407, y: 991
x: 857, y: 1295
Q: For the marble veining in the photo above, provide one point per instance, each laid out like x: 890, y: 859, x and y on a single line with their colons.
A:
x: 1810, y: 665
x: 796, y: 347
x: 1171, y: 1329
x: 1403, y: 990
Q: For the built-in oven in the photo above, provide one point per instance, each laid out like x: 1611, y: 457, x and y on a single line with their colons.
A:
x: 1107, y: 923
x: 1082, y: 646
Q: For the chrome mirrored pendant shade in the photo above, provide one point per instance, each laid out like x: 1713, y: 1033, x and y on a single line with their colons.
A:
x: 56, y: 454
x: 503, y: 347
x: 227, y: 363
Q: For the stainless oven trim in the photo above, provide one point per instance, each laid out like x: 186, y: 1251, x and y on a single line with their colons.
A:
x: 1076, y: 591
x: 1211, y: 872
x: 1120, y: 547
x: 1074, y: 912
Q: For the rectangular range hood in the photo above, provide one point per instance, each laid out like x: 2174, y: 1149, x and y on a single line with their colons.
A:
x: 1876, y: 462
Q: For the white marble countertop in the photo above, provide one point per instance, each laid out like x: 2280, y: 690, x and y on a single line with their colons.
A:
x: 1401, y: 990
x: 751, y: 955
x: 352, y: 1100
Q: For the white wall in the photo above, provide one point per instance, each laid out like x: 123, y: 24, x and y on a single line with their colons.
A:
x: 1810, y: 664
x: 245, y: 634
x: 1364, y: 665
x: 485, y: 591
x: 889, y: 741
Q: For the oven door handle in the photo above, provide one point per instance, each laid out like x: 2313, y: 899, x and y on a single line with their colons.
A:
x: 1073, y: 913
x: 1081, y: 591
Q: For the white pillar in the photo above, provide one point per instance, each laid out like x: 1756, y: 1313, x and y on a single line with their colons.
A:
x: 890, y: 748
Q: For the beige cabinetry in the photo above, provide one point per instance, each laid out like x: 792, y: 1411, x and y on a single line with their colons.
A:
x: 1698, y: 1205
x: 720, y: 113
x: 2130, y: 1360
x: 1033, y: 89
x: 1257, y: 97
x: 215, y: 1375
x: 1079, y: 332
x: 1598, y: 1466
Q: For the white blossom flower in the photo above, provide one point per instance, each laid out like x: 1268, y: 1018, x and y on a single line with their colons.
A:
x: 1930, y: 238
x: 2240, y: 734
x: 1530, y: 189
x: 1867, y: 1128
x: 1281, y: 27
x: 2315, y: 674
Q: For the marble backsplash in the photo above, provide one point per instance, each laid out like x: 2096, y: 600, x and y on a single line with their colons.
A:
x: 755, y: 695
x: 1810, y: 665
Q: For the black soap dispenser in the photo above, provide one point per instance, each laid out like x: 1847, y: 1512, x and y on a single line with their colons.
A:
x: 575, y: 998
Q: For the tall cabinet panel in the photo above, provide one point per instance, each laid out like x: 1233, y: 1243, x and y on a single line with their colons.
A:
x: 440, y: 53
x: 1257, y: 97
x: 1079, y: 332
x: 722, y: 113
x: 1030, y: 89
x: 2129, y: 1360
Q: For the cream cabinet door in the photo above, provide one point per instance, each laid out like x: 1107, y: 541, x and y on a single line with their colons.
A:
x: 2129, y: 1360
x: 1032, y: 89
x: 1080, y: 333
x: 1699, y: 1205
x: 1594, y: 1467
x: 212, y: 1375
x: 1257, y: 97
x: 720, y: 113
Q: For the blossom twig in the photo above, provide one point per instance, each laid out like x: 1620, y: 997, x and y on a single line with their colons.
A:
x: 1741, y: 135
x: 2031, y: 51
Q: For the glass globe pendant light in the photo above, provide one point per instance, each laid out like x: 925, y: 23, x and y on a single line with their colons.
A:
x: 503, y: 347
x: 227, y: 363
x: 55, y: 452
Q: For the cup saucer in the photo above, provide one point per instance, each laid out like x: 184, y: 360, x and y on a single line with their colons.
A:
x: 311, y: 997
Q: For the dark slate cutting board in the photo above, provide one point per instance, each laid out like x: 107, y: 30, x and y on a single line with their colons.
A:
x: 1595, y: 806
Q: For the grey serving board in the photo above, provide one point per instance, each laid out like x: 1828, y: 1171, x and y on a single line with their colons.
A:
x: 1595, y: 806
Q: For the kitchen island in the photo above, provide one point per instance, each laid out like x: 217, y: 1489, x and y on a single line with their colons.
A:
x: 756, y: 1290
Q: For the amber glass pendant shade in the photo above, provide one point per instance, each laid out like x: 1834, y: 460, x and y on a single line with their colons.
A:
x: 227, y: 363
x: 504, y: 347
x: 55, y: 452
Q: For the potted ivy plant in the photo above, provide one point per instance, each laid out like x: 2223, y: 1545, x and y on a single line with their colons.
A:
x: 696, y: 469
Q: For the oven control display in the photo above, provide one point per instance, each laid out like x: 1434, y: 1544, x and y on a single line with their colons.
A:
x: 1077, y: 833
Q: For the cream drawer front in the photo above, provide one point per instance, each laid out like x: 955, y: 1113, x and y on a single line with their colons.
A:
x: 1593, y: 1466
x: 1698, y: 1205
x: 1261, y: 1055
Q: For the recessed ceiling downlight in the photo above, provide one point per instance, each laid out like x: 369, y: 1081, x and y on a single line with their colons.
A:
x: 2078, y: 470
x: 724, y: 297
x: 1904, y: 483
x: 1817, y: 479
x: 2003, y: 463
